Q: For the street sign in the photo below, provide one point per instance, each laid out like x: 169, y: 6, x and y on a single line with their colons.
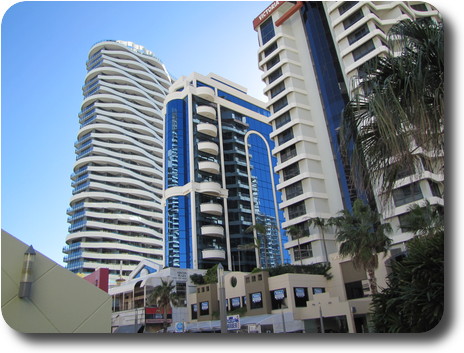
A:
x: 179, y: 327
x: 233, y: 322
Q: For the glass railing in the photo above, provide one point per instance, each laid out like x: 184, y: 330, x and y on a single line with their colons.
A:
x: 84, y: 153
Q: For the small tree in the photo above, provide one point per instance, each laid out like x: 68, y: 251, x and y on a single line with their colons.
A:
x: 414, y: 298
x: 362, y: 236
x: 164, y: 297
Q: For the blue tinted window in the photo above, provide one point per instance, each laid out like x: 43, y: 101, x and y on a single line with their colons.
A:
x: 177, y: 146
x: 178, y: 230
x: 267, y: 31
x: 243, y: 103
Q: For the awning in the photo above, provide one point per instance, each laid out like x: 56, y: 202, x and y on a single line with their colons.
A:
x: 129, y: 329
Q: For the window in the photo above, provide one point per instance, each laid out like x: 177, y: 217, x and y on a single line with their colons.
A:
x: 346, y: 6
x: 304, y: 251
x: 285, y: 136
x: 318, y: 290
x: 294, y: 190
x: 435, y: 189
x: 419, y: 7
x: 277, y: 89
x: 278, y: 105
x: 270, y: 49
x: 300, y: 296
x: 407, y: 194
x: 278, y: 299
x: 287, y: 153
x: 353, y: 19
x: 282, y: 120
x: 267, y: 31
x: 273, y: 61
x: 358, y: 34
x: 363, y: 50
x: 194, y: 310
x: 234, y: 303
x: 256, y: 300
x: 296, y: 210
x: 204, y: 308
x: 291, y: 171
x: 275, y: 75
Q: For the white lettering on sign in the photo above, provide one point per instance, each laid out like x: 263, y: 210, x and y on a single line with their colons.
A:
x: 265, y: 14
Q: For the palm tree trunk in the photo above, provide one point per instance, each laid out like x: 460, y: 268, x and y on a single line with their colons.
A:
x: 372, y: 280
x: 165, y: 319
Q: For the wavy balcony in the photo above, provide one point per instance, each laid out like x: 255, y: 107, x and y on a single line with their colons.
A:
x: 207, y: 111
x: 207, y: 129
x: 208, y: 147
x: 214, y: 209
x: 209, y: 167
x: 213, y: 254
x: 212, y: 231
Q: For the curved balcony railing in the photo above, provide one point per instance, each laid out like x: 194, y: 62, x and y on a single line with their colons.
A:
x: 212, y: 231
x: 209, y: 167
x: 208, y: 147
x: 213, y: 254
x: 214, y: 209
x: 207, y: 111
x: 207, y: 129
x: 205, y: 93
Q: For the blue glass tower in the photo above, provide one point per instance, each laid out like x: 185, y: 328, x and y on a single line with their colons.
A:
x: 219, y: 178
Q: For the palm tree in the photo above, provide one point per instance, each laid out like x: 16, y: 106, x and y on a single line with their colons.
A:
x: 397, y: 109
x: 424, y: 220
x: 164, y: 297
x: 362, y: 236
x: 321, y: 223
x: 261, y: 231
x: 297, y: 232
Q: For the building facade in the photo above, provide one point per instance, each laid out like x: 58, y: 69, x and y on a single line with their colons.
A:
x: 219, y: 177
x: 310, y: 54
x: 115, y: 213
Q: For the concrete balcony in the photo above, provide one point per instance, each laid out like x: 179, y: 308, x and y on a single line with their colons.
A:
x: 205, y: 93
x: 212, y: 231
x: 207, y: 129
x: 209, y: 167
x: 214, y: 209
x: 210, y: 188
x: 213, y: 254
x: 208, y: 147
x: 207, y: 111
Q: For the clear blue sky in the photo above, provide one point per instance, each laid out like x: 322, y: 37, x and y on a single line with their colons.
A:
x: 44, y: 50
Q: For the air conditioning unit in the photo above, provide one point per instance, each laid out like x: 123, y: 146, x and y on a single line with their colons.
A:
x: 366, y: 287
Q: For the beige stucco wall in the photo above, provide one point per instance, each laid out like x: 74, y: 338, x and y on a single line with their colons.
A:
x: 60, y: 302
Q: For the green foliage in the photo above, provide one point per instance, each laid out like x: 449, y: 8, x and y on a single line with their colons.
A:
x: 400, y: 99
x: 362, y: 236
x: 208, y: 278
x: 211, y: 275
x: 414, y: 298
x: 313, y: 269
x: 197, y: 279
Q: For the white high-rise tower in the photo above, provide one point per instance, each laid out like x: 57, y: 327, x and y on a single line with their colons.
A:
x: 115, y: 214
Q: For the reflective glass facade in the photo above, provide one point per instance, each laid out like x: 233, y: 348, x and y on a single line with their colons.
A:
x: 331, y: 86
x: 177, y: 144
x: 228, y: 153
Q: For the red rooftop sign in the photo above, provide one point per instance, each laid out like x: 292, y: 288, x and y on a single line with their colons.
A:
x: 271, y: 8
x: 266, y: 13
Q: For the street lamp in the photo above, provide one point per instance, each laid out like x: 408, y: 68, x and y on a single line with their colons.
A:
x: 222, y: 298
x: 25, y: 282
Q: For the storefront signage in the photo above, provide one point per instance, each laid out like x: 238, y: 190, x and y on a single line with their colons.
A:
x: 233, y: 322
